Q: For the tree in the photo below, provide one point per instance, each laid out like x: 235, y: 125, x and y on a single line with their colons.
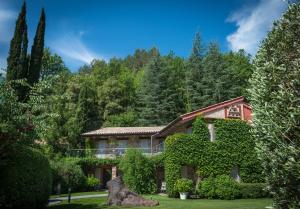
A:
x: 52, y: 64
x: 138, y: 172
x: 87, y: 114
x: 215, y: 77
x: 150, y: 94
x: 193, y: 77
x: 17, y: 62
x: 239, y: 70
x: 275, y: 100
x: 37, y: 51
x: 18, y: 49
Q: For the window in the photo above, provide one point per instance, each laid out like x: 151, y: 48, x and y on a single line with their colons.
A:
x: 235, y: 173
x: 189, y: 130
x: 145, y: 145
x: 211, y: 129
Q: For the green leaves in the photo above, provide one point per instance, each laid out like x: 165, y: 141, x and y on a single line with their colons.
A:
x: 234, y: 146
x: 275, y: 100
x: 138, y: 172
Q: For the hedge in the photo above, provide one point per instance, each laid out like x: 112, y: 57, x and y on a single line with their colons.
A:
x: 234, y: 146
x: 224, y: 187
x: 26, y: 179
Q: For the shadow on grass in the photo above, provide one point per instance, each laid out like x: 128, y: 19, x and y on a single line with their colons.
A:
x: 77, y: 206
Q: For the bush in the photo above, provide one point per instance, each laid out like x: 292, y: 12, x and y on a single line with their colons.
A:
x: 207, y: 188
x: 256, y: 190
x: 67, y: 173
x: 183, y: 185
x: 25, y: 180
x: 138, y: 172
x: 222, y: 187
x: 92, y: 183
x: 227, y: 188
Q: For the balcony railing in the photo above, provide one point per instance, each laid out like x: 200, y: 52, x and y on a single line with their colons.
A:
x: 113, y: 152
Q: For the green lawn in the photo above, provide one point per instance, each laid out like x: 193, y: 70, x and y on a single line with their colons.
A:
x: 78, y: 194
x: 169, y: 203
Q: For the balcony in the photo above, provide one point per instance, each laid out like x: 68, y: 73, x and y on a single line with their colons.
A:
x: 113, y: 152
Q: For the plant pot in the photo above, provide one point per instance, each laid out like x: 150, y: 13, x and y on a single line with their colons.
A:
x: 183, y: 195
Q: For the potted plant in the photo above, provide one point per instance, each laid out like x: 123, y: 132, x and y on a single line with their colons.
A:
x: 183, y: 186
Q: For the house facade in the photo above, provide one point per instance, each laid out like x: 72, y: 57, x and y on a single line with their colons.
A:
x: 111, y: 142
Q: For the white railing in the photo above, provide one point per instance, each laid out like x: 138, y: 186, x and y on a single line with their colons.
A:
x: 112, y: 152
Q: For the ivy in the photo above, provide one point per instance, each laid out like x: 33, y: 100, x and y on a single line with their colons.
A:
x: 234, y: 146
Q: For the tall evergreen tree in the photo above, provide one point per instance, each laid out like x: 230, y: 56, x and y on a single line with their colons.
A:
x: 17, y: 58
x: 159, y: 102
x: 193, y: 77
x: 37, y: 51
x: 215, y: 77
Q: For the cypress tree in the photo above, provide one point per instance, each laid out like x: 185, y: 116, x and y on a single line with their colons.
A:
x: 37, y: 51
x: 193, y: 76
x: 17, y: 58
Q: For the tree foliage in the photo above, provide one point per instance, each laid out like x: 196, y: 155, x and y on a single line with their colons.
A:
x: 138, y: 172
x: 275, y: 99
x: 37, y: 51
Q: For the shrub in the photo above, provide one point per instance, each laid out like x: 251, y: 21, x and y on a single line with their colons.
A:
x: 138, y: 172
x: 207, y: 188
x: 255, y: 190
x: 67, y: 173
x: 183, y: 185
x: 92, y: 183
x: 25, y: 180
x: 227, y: 188
x: 222, y: 187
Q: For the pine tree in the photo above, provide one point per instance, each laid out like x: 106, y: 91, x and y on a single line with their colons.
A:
x: 159, y: 100
x: 214, y: 79
x: 148, y: 95
x: 193, y: 77
x: 37, y: 51
x: 17, y: 59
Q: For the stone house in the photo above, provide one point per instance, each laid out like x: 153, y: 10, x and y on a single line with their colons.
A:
x: 114, y: 141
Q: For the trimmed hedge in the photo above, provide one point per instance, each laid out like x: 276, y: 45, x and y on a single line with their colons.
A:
x: 254, y: 190
x: 224, y: 187
x: 25, y: 180
x: 221, y: 187
x: 234, y: 146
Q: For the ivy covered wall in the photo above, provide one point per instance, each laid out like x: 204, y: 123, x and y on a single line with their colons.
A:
x: 233, y: 147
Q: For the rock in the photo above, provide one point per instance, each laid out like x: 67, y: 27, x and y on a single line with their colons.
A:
x: 119, y: 195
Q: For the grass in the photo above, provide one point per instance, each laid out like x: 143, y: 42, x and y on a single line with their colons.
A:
x: 170, y: 203
x: 78, y: 194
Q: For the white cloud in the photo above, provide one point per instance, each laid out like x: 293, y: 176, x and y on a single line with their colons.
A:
x: 253, y: 24
x: 72, y: 47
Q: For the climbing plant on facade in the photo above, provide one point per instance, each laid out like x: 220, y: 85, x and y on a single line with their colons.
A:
x: 233, y: 147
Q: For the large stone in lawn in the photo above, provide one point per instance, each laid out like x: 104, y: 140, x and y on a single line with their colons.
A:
x: 120, y: 195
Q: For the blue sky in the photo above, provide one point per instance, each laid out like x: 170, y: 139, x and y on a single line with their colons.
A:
x: 81, y: 30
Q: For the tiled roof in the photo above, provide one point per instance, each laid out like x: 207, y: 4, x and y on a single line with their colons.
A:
x: 124, y: 131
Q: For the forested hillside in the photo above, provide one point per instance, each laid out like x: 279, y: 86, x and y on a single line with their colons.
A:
x: 143, y: 89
